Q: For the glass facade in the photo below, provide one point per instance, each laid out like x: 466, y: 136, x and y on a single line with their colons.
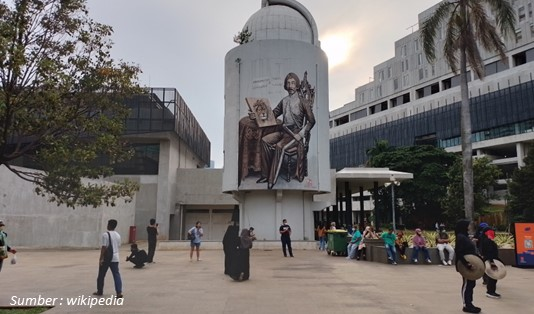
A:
x: 501, y: 113
x: 164, y: 110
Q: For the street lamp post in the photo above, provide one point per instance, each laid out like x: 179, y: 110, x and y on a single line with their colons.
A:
x: 393, y: 183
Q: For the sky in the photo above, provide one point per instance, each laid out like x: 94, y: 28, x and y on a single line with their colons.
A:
x: 182, y: 44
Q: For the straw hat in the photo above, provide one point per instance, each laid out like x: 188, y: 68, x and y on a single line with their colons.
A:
x: 478, y: 267
x: 498, y: 273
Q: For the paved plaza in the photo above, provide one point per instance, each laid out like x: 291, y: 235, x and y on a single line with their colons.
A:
x: 312, y: 282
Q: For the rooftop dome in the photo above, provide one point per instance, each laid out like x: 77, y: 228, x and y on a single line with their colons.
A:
x: 280, y: 21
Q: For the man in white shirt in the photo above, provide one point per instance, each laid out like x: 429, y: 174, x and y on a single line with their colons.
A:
x: 110, y: 238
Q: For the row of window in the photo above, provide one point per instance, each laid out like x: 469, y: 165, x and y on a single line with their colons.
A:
x: 495, y: 114
x: 497, y: 132
x: 490, y: 69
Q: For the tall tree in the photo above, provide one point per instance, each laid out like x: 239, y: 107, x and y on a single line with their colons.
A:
x: 421, y: 197
x: 468, y: 26
x: 521, y: 187
x: 485, y: 174
x: 61, y: 100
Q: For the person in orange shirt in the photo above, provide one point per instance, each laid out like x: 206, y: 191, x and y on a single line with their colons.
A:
x: 321, y: 234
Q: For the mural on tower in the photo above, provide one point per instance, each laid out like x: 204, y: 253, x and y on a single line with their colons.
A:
x: 274, y: 142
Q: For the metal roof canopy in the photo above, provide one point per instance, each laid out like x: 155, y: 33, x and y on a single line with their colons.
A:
x: 366, y: 177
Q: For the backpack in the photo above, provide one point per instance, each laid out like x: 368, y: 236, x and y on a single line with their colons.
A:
x: 190, y: 234
x: 108, y: 254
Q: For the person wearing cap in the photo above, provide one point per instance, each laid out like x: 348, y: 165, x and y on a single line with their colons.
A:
x: 442, y: 243
x: 490, y: 252
x: 4, y: 248
x: 419, y: 244
x: 465, y: 246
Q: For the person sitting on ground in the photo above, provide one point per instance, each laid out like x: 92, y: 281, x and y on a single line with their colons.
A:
x: 442, y: 243
x: 401, y: 244
x: 137, y: 257
x: 419, y: 244
x: 354, y: 243
x: 389, y: 241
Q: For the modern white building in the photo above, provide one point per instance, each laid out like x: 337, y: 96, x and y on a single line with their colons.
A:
x: 171, y: 153
x: 411, y: 101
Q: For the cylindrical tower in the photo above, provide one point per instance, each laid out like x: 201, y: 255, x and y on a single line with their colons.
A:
x: 276, y: 110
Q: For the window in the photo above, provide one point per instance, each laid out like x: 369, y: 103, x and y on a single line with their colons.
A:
x: 405, y: 80
x: 379, y: 91
x: 518, y: 35
x: 341, y: 120
x: 421, y: 74
x: 402, y: 66
x: 395, y: 84
x: 406, y: 98
x: 530, y: 9
x: 403, y: 51
x: 521, y: 13
x: 389, y: 72
x: 358, y: 114
x: 420, y: 59
x: 362, y: 97
x: 433, y: 70
x: 380, y: 75
x: 416, y: 44
x: 406, y: 64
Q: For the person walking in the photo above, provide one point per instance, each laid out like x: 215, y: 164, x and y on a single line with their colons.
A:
x: 195, y: 233
x: 285, y: 231
x: 241, y: 271
x: 112, y: 240
x: 463, y: 247
x: 4, y: 247
x: 231, y: 243
x: 153, y: 231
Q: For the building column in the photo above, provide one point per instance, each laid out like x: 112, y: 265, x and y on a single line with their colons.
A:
x: 348, y: 205
x: 362, y: 208
x: 521, y: 154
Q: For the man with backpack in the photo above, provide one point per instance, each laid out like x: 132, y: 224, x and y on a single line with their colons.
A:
x: 109, y: 258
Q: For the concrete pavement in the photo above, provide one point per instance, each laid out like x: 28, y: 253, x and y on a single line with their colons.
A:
x: 312, y: 282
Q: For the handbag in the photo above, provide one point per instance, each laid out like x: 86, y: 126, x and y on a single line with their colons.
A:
x: 108, y: 255
x: 190, y: 235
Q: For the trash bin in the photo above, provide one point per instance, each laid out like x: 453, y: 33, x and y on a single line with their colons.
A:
x: 131, y: 235
x: 337, y: 242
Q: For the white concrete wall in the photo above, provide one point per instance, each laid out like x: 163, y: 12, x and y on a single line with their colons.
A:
x: 264, y: 210
x: 31, y: 221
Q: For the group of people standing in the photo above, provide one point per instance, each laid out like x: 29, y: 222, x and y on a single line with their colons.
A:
x: 109, y: 255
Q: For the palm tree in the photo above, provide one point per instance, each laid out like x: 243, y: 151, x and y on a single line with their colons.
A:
x: 468, y: 26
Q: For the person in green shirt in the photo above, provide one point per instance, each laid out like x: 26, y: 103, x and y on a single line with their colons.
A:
x: 352, y: 248
x: 389, y: 241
